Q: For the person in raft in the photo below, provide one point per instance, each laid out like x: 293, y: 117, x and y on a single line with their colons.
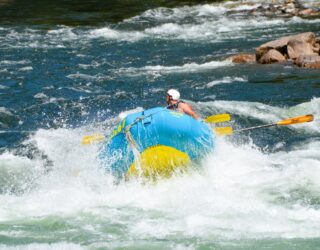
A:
x: 174, y: 103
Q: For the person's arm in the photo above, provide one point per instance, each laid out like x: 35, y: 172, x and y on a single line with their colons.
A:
x: 188, y: 110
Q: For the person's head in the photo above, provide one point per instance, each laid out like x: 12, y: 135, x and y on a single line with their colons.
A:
x: 172, y: 95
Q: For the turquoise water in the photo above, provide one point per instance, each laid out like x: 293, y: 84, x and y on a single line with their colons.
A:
x: 60, y: 80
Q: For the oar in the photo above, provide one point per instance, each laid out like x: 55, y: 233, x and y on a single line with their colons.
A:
x: 218, y: 118
x: 88, y: 139
x: 289, y: 121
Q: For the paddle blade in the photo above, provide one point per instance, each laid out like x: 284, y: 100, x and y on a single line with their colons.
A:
x: 295, y: 120
x: 218, y: 118
x: 223, y: 130
x: 88, y: 139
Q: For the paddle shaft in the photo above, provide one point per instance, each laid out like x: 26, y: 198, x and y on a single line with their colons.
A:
x: 289, y: 121
x: 255, y: 127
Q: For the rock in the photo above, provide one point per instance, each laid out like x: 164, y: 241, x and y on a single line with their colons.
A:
x: 317, y: 48
x: 318, y: 40
x: 308, y: 61
x: 307, y: 12
x: 272, y: 56
x: 302, y: 44
x: 242, y: 58
x: 281, y: 44
x: 290, y: 7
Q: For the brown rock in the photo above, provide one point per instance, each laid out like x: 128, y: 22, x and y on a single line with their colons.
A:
x: 272, y: 56
x: 281, y: 44
x: 316, y: 48
x: 308, y: 61
x: 302, y: 44
x: 307, y: 12
x: 290, y: 8
x: 242, y: 58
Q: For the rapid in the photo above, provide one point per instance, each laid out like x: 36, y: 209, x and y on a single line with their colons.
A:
x: 257, y: 190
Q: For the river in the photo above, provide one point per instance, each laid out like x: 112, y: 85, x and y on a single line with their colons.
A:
x: 68, y: 69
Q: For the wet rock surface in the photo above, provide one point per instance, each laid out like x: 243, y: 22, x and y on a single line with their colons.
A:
x: 283, y: 8
x: 308, y: 61
x: 302, y: 49
x: 272, y: 56
x: 242, y: 58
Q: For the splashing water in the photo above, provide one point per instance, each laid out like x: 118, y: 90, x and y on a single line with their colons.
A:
x: 257, y: 190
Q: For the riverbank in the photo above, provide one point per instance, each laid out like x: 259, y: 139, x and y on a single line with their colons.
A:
x: 98, y: 12
x: 81, y: 12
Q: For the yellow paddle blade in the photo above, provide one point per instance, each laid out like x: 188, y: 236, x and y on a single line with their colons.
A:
x: 295, y: 120
x: 88, y: 139
x: 223, y: 130
x: 218, y: 118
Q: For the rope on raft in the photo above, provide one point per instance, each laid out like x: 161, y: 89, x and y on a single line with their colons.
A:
x: 133, y: 144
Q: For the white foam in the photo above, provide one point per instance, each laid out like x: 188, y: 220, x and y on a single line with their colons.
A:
x: 41, y: 246
x: 11, y: 62
x: 6, y: 111
x: 213, y: 202
x: 124, y: 114
x: 112, y: 34
x: 40, y: 96
x: 197, y: 12
x: 210, y: 30
x: 28, y: 68
x: 270, y: 114
x: 196, y: 23
x: 225, y: 80
x: 65, y: 33
x: 298, y: 20
x: 14, y: 176
x: 82, y: 76
x: 162, y: 70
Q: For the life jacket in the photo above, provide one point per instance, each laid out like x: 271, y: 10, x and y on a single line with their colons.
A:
x: 175, y: 106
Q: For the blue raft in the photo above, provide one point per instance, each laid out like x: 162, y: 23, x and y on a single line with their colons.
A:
x: 155, y: 142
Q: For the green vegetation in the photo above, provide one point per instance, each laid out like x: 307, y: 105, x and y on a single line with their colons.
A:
x: 80, y: 12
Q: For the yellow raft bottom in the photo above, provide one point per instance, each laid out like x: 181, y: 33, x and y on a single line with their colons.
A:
x: 159, y: 161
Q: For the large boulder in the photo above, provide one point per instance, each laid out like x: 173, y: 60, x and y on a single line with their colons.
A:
x: 308, y: 61
x: 302, y: 44
x: 279, y: 44
x: 308, y: 12
x: 242, y: 58
x: 317, y: 45
x: 272, y: 56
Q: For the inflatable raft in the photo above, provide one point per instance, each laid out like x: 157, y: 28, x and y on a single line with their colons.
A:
x: 155, y: 142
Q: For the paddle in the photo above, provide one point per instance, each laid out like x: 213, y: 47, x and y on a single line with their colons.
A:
x: 218, y: 118
x: 88, y: 139
x: 289, y: 121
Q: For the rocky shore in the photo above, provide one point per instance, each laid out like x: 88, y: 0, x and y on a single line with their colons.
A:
x: 282, y: 8
x: 301, y: 49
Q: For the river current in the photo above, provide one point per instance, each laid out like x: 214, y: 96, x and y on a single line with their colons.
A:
x: 257, y: 190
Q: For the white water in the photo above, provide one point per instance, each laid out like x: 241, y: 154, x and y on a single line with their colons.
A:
x: 164, y: 70
x: 201, y: 23
x: 239, y: 192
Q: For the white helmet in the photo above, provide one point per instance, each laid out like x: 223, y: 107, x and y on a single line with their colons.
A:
x: 175, y: 95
